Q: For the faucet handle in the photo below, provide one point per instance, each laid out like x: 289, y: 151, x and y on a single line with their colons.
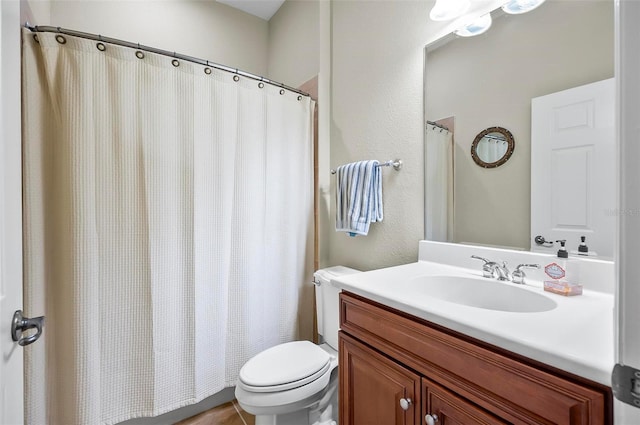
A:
x: 480, y: 258
x: 518, y: 274
x: 488, y: 269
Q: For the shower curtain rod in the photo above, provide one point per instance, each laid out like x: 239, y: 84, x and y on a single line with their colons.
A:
x: 440, y: 126
x: 73, y: 33
x: 496, y: 138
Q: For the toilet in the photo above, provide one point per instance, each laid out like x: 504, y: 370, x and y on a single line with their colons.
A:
x: 296, y: 383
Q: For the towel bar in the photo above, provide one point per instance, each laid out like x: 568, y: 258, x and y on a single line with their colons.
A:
x: 396, y: 163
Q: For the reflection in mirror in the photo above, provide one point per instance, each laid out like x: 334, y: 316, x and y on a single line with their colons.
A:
x: 492, y: 147
x: 439, y: 176
x: 491, y: 79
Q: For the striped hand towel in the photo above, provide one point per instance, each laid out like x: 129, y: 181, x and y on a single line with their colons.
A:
x: 358, y: 197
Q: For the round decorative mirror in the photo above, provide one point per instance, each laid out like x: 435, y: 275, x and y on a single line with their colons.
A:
x: 492, y: 147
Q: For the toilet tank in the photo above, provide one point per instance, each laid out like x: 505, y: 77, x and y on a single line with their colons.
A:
x: 327, y: 302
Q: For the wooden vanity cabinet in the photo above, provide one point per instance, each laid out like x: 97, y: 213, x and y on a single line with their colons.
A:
x: 377, y: 386
x: 387, y: 356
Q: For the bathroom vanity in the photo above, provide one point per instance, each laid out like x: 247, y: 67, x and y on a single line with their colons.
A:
x: 408, y: 357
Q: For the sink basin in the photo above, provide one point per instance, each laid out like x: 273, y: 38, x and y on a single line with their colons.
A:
x: 482, y: 293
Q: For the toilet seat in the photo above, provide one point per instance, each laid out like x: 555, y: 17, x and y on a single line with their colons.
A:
x: 284, y: 367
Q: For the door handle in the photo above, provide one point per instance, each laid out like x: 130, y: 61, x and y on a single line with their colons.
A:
x: 540, y: 240
x: 20, y: 324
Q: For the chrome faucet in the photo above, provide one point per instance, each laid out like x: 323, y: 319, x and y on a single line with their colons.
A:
x: 502, y: 271
x: 492, y: 269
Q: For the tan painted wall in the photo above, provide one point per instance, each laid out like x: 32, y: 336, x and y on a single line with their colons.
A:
x: 203, y: 29
x: 377, y: 113
x: 489, y: 81
x: 294, y: 42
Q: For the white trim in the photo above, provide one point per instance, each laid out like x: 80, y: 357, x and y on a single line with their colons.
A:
x: 627, y: 15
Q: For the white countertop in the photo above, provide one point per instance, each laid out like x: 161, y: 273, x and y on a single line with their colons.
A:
x: 576, y: 336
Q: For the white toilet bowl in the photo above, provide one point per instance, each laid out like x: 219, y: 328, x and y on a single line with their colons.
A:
x: 296, y: 383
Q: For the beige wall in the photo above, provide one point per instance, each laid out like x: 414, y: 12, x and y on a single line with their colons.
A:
x: 377, y: 113
x: 203, y: 29
x: 36, y: 12
x: 489, y: 81
x: 294, y: 42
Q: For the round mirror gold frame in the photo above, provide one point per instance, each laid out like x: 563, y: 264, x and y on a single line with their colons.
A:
x: 508, y: 138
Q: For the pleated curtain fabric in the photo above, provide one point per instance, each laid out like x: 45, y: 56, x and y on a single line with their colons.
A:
x: 439, y: 185
x: 168, y: 227
x: 491, y: 150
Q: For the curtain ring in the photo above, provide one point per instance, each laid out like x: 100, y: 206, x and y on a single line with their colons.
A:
x: 260, y: 84
x: 175, y: 62
x: 139, y: 54
x: 60, y: 39
x: 101, y: 47
x: 299, y: 98
x: 281, y: 91
x: 236, y: 78
x: 207, y: 71
x: 35, y: 37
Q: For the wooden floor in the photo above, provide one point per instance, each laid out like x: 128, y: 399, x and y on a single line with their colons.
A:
x: 227, y: 414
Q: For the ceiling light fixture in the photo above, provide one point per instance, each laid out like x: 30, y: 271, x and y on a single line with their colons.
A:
x: 516, y: 7
x: 446, y: 10
x: 477, y: 27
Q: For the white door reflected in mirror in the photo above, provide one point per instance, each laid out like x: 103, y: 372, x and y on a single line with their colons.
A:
x: 573, y: 168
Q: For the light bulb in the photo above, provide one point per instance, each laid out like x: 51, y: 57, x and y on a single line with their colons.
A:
x: 446, y: 10
x: 516, y: 7
x: 477, y: 27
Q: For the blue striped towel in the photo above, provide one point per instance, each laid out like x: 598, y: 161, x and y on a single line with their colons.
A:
x: 358, y: 197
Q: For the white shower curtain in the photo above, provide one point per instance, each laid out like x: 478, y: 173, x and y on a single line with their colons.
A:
x: 439, y: 184
x: 491, y: 149
x: 168, y: 227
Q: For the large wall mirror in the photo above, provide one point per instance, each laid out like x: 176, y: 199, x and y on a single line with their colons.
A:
x: 490, y: 80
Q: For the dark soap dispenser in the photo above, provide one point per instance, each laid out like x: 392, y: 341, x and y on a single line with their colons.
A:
x: 583, y: 249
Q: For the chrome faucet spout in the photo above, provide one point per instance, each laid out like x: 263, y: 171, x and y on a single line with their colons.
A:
x: 502, y: 271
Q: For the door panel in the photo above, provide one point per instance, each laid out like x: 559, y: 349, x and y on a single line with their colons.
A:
x: 573, y: 173
x: 451, y: 409
x: 372, y: 387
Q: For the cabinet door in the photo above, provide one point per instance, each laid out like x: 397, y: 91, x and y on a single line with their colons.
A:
x: 375, y: 390
x: 446, y: 408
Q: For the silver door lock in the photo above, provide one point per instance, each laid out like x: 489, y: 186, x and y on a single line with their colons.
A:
x: 20, y: 324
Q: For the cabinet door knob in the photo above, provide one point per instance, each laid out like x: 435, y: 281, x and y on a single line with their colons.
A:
x: 405, y: 403
x: 431, y: 419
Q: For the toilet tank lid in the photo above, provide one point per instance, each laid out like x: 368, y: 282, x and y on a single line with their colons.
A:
x: 323, y: 276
